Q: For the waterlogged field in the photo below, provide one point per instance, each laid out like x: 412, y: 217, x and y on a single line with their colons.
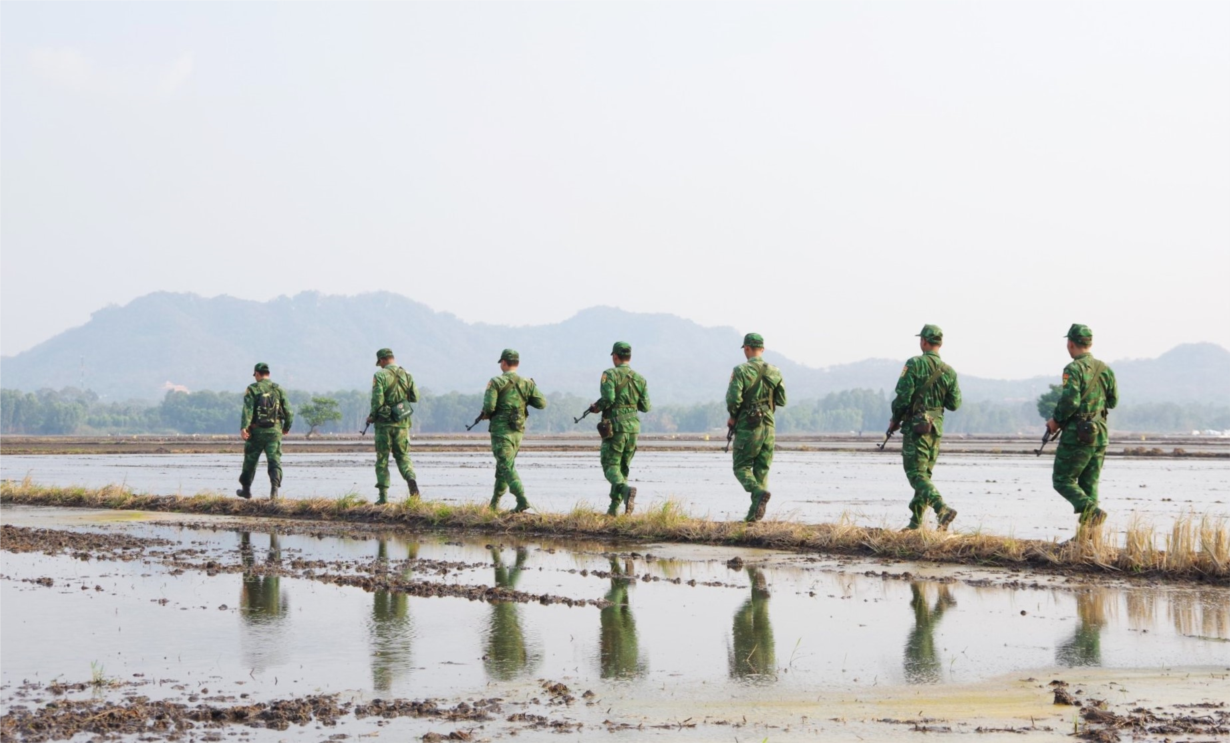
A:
x: 542, y: 638
x: 1005, y: 495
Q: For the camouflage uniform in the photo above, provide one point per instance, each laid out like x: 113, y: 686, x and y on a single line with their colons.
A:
x: 622, y: 392
x: 753, y: 653
x: 755, y: 391
x: 919, y: 451
x: 266, y: 416
x: 505, y: 404
x: 1089, y: 390
x: 618, y: 648
x: 390, y: 386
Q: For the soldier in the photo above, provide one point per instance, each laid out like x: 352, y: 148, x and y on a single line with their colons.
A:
x: 266, y: 417
x: 755, y: 391
x: 926, y: 388
x: 505, y: 404
x: 393, y: 390
x: 621, y: 393
x: 1089, y: 390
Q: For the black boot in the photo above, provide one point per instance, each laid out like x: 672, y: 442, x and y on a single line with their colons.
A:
x: 382, y: 496
x: 414, y: 487
x: 273, y: 492
x: 245, y: 492
x: 630, y: 500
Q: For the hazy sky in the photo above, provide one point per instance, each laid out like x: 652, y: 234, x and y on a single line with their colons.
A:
x: 832, y: 175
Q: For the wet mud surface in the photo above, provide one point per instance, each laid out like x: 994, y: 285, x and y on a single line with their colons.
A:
x: 193, y: 628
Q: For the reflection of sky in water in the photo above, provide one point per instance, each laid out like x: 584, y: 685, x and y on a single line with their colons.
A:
x: 766, y: 628
x: 1010, y: 495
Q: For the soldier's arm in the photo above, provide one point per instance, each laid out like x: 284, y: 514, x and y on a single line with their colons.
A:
x: 642, y: 403
x: 904, y: 392
x: 734, y: 393
x: 288, y: 415
x: 490, y: 397
x: 1112, y: 389
x: 377, y: 393
x: 1070, y: 397
x: 536, y: 399
x: 606, y: 391
x: 245, y: 417
x: 412, y: 390
x: 779, y: 393
x: 952, y: 400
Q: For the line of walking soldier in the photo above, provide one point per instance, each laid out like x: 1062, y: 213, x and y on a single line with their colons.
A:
x: 926, y: 388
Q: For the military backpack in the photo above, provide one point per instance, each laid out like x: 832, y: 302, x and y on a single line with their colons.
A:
x: 267, y: 411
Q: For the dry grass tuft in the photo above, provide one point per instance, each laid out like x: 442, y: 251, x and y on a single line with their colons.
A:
x: 1195, y: 547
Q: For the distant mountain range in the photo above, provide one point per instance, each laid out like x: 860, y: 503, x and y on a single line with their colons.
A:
x: 319, y: 342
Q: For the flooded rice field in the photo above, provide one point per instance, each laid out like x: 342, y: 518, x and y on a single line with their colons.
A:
x: 138, y: 624
x: 1006, y: 495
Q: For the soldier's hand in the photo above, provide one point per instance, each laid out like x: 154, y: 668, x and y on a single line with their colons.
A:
x: 1052, y: 426
x: 285, y: 431
x: 369, y: 420
x: 730, y: 422
x: 593, y: 408
x: 893, y: 426
x: 243, y: 434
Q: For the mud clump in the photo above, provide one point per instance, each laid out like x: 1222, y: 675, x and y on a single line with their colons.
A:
x: 80, y: 544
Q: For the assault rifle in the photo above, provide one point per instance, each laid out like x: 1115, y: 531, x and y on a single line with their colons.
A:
x: 588, y: 410
x: 475, y: 423
x: 364, y: 431
x: 1047, y: 437
x: 887, y: 435
x: 730, y: 434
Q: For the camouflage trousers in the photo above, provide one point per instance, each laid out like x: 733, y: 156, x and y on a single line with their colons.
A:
x: 616, y: 457
x: 918, y: 455
x: 505, y: 447
x: 392, y: 438
x: 753, y: 449
x: 268, y: 441
x: 1076, y: 473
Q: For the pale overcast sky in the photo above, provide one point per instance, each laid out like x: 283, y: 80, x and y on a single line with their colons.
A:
x: 832, y: 175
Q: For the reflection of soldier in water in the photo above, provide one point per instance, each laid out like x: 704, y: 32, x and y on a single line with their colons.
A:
x: 619, y: 649
x: 922, y: 657
x: 507, y: 655
x: 261, y: 601
x: 1085, y: 647
x: 390, y: 625
x: 753, y: 653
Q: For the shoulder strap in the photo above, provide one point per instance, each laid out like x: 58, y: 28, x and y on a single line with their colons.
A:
x: 624, y: 384
x: 1097, y: 367
x: 936, y: 373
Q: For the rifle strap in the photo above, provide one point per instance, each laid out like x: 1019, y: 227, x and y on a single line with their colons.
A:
x: 936, y: 373
x: 1097, y: 367
x: 762, y: 385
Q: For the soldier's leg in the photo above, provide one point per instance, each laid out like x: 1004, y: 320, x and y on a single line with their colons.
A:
x: 625, y: 468
x: 383, y: 447
x: 932, y: 445
x: 273, y: 460
x: 917, y: 459
x: 764, y: 460
x: 498, y: 447
x: 1070, y: 462
x: 611, y: 455
x: 747, y: 445
x: 399, y: 445
x: 251, y: 455
x: 514, y: 480
x: 1090, y: 475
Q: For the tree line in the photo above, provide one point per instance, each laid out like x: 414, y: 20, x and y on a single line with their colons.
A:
x: 74, y: 411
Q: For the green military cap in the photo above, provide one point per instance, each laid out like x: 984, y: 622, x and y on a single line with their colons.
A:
x: 621, y: 349
x: 1080, y: 334
x: 932, y: 333
x: 261, y: 368
x: 510, y: 356
x: 384, y: 353
x: 753, y: 340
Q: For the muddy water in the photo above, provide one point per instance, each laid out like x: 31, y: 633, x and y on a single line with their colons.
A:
x: 1002, y: 495
x: 681, y: 632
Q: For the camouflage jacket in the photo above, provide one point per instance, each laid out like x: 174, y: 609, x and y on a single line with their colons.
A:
x: 621, y: 393
x: 754, y: 384
x: 391, y: 385
x: 262, y: 392
x: 945, y: 393
x: 1089, y: 390
x: 505, y: 401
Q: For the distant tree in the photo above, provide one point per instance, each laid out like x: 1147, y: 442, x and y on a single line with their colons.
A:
x: 318, y: 412
x: 1048, y: 401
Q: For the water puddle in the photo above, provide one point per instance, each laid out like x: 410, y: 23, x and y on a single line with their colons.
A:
x: 640, y: 635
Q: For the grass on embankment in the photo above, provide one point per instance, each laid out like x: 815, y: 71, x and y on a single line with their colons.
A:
x: 1196, y: 547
